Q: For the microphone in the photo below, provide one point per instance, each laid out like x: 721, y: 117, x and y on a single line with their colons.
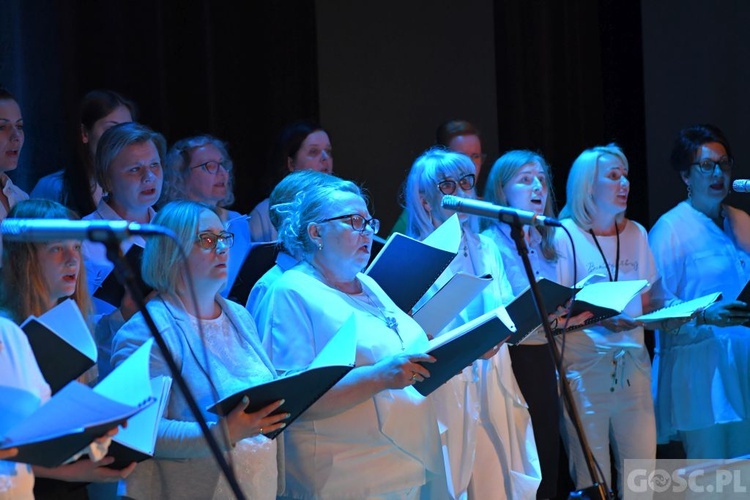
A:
x: 503, y: 214
x: 103, y: 231
x: 741, y: 186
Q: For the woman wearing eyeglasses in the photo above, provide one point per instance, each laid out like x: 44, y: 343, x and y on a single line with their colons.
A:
x: 199, y: 168
x: 487, y: 434
x: 371, y: 436
x: 215, y: 344
x: 702, y: 245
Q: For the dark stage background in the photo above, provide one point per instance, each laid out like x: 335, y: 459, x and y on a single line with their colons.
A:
x: 547, y: 75
x: 550, y: 75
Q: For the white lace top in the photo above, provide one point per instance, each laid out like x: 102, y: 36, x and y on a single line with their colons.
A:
x: 254, y: 458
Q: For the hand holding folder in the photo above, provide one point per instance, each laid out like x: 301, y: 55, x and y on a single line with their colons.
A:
x: 458, y: 348
x: 300, y: 389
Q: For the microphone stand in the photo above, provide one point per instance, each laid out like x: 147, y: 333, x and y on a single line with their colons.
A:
x: 125, y: 276
x: 598, y: 490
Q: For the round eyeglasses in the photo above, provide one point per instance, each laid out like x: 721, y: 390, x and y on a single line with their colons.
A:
x: 449, y: 186
x: 208, y: 240
x: 708, y: 166
x: 358, y: 222
x: 211, y: 166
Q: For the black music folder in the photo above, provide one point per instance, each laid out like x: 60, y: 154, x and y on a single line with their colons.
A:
x: 300, y: 389
x: 260, y: 258
x: 406, y: 268
x: 460, y: 347
x: 66, y: 424
x: 604, y: 299
x: 112, y: 291
x: 63, y: 345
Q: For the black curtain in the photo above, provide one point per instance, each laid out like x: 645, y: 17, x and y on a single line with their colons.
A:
x: 239, y: 71
x: 570, y: 76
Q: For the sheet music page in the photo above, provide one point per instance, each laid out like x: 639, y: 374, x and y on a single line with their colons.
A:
x: 66, y: 320
x: 447, y: 236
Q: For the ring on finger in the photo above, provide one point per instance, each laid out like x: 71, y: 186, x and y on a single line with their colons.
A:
x: 261, y: 430
x: 414, y: 376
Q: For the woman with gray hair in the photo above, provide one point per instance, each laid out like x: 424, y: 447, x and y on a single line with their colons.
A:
x: 215, y: 344
x: 199, y: 168
x: 487, y: 436
x: 372, y: 435
x: 607, y: 364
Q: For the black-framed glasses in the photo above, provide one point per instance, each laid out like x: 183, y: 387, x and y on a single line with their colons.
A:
x: 358, y: 222
x: 449, y: 186
x: 212, y: 166
x: 208, y: 240
x: 707, y: 166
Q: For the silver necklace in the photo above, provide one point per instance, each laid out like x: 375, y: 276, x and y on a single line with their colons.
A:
x: 363, y: 298
x: 378, y: 311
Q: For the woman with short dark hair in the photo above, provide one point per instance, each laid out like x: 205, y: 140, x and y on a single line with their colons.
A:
x: 701, y: 246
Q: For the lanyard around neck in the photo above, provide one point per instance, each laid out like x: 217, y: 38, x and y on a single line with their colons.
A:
x: 604, y: 257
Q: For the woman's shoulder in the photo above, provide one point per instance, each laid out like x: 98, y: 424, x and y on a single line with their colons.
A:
x: 633, y: 225
x: 49, y: 187
x: 261, y: 207
x: 736, y: 213
x: 296, y: 281
x: 234, y: 308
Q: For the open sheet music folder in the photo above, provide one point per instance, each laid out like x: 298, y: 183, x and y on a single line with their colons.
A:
x: 406, y: 268
x: 681, y: 309
x: 300, y: 388
x: 137, y: 441
x: 452, y: 298
x: 66, y: 424
x: 604, y: 299
x: 63, y: 345
x: 458, y: 348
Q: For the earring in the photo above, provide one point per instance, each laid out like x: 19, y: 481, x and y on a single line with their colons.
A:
x: 690, y: 191
x: 320, y: 246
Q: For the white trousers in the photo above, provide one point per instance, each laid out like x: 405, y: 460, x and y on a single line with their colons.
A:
x: 615, y: 407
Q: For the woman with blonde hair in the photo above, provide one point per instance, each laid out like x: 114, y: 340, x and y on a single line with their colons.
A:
x: 522, y: 179
x: 215, y: 343
x: 35, y: 278
x: 607, y: 364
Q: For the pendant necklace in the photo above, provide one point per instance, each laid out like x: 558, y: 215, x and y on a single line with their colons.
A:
x: 604, y: 257
x: 362, y: 298
x: 379, y: 312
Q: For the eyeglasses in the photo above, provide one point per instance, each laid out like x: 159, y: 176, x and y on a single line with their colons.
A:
x: 708, y: 166
x: 358, y: 222
x: 448, y: 186
x: 211, y: 166
x: 208, y: 240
